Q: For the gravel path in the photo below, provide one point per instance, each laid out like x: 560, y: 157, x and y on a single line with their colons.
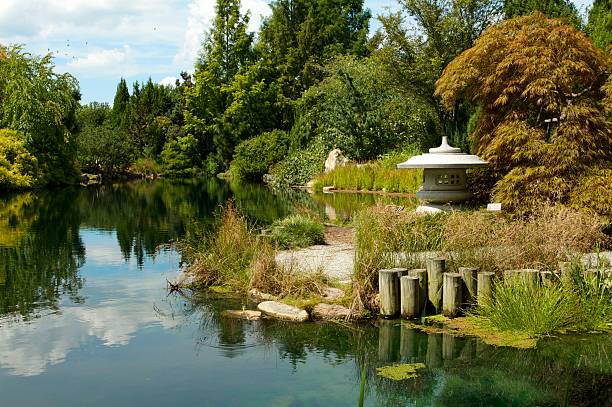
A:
x: 335, y: 258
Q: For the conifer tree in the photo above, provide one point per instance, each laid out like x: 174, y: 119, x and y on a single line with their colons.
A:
x: 122, y: 98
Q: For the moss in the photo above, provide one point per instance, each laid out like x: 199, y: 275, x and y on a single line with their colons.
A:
x: 400, y: 371
x: 479, y: 327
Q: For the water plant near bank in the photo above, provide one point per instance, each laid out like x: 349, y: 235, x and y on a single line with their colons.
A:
x: 297, y: 231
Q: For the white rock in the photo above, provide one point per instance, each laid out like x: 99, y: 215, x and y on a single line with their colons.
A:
x: 326, y: 312
x: 259, y: 296
x: 332, y: 294
x: 283, y: 311
x: 251, y: 315
x: 335, y: 159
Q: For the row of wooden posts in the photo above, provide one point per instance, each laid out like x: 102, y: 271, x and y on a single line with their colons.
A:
x: 410, y: 292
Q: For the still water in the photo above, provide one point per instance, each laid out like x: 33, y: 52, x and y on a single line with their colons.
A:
x: 85, y: 319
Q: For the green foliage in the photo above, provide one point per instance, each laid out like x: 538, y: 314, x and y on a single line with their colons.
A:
x: 296, y: 231
x: 358, y: 109
x: 145, y: 166
x: 101, y: 147
x: 563, y: 9
x: 300, y: 166
x: 179, y: 157
x: 380, y: 175
x: 40, y: 104
x: 254, y: 157
x: 599, y: 26
x: 18, y: 168
x: 543, y: 123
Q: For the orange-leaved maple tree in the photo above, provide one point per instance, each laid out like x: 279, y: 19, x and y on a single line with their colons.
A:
x: 544, y: 117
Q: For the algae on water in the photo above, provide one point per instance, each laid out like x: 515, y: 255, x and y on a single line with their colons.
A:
x: 400, y: 371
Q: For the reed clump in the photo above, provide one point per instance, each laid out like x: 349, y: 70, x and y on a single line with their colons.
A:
x: 235, y: 257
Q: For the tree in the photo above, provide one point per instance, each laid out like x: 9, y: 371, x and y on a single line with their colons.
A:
x: 544, y: 125
x: 120, y: 103
x: 563, y: 9
x: 599, y: 26
x: 18, y: 168
x: 227, y: 48
x: 40, y: 104
x: 416, y: 58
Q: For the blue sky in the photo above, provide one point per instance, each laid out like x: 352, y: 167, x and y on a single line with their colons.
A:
x: 100, y: 41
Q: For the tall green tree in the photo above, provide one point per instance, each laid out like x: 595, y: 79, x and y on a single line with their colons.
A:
x: 563, y: 9
x: 120, y: 103
x: 599, y: 26
x: 226, y: 49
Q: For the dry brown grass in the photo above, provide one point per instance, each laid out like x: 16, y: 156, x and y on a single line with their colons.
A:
x: 495, y: 242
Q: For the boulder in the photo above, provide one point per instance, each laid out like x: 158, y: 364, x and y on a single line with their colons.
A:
x: 332, y: 294
x: 335, y: 159
x: 184, y: 280
x: 250, y: 315
x: 282, y: 311
x: 328, y: 312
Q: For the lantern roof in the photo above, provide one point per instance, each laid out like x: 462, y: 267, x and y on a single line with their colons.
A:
x: 444, y: 156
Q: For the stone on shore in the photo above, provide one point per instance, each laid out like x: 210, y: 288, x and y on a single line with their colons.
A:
x: 184, y: 280
x: 282, y: 311
x: 250, y: 315
x: 258, y: 296
x: 332, y: 294
x: 327, y: 312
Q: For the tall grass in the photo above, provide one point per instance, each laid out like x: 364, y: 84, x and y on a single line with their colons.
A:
x: 235, y: 257
x: 582, y: 303
x: 380, y: 175
x: 387, y: 236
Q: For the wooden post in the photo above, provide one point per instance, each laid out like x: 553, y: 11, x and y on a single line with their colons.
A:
x: 469, y: 286
x: 422, y: 276
x: 451, y: 294
x: 546, y: 277
x: 485, y: 286
x: 565, y: 271
x: 435, y: 271
x: 401, y: 272
x: 388, y: 285
x: 448, y: 346
x: 509, y: 274
x: 409, y: 298
x: 530, y: 276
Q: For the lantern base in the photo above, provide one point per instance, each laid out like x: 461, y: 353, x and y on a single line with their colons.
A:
x: 440, y: 197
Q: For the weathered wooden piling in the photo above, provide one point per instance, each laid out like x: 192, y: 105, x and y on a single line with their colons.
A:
x: 401, y: 272
x: 531, y: 277
x: 485, y: 286
x: 433, y: 357
x: 389, y: 291
x: 421, y: 274
x: 509, y: 274
x: 451, y: 294
x: 547, y: 277
x: 469, y: 288
x: 435, y: 272
x: 448, y: 346
x: 388, y: 341
x: 408, y: 342
x: 565, y: 272
x: 409, y: 297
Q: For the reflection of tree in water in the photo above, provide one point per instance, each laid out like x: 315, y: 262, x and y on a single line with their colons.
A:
x: 42, y: 265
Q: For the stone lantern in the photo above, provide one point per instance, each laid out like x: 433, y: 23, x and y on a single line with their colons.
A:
x: 444, y: 178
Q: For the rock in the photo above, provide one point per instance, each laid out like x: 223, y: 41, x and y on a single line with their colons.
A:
x: 332, y: 294
x: 283, y: 311
x: 335, y: 159
x: 328, y: 190
x: 184, y: 280
x: 327, y: 312
x: 258, y: 296
x: 250, y: 315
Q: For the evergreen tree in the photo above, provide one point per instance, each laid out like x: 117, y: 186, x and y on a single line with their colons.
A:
x: 599, y: 26
x: 122, y: 98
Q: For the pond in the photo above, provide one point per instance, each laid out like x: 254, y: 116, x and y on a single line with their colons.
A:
x: 85, y: 319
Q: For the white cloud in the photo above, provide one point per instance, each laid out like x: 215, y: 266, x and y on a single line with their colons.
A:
x: 168, y: 81
x: 102, y: 60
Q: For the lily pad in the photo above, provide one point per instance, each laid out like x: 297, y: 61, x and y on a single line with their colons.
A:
x: 400, y: 371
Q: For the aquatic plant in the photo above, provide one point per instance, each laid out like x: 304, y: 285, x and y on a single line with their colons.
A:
x: 400, y: 371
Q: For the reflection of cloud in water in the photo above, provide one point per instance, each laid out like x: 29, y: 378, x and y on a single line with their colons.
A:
x: 27, y: 349
x: 102, y: 248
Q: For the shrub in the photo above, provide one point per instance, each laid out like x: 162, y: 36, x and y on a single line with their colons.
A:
x: 179, y: 157
x: 18, y: 168
x: 102, y: 148
x: 145, y: 166
x: 300, y: 166
x: 254, y: 157
x: 297, y: 231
